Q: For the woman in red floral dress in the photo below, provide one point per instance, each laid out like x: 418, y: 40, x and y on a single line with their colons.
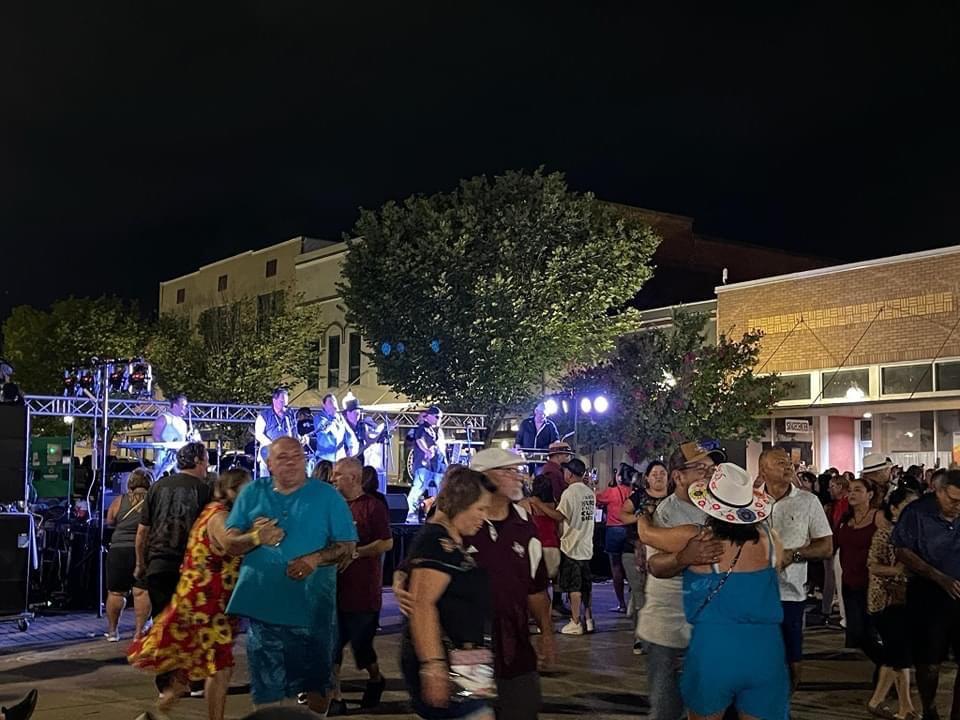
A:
x: 193, y: 637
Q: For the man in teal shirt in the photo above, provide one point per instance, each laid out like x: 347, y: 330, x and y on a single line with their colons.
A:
x: 289, y: 591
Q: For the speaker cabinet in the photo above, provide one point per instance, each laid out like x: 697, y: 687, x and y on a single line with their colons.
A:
x: 13, y: 453
x: 14, y: 562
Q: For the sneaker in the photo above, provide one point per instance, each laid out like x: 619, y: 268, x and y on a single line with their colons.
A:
x: 196, y: 693
x: 534, y: 629
x: 638, y: 648
x: 619, y: 609
x: 572, y: 628
x: 23, y: 709
x: 373, y: 692
x: 301, y: 699
x: 590, y: 626
x: 112, y: 637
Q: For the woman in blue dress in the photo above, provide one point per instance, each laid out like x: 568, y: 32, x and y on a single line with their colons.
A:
x: 736, y: 654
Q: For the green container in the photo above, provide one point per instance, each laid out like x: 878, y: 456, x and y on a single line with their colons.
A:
x: 51, y: 476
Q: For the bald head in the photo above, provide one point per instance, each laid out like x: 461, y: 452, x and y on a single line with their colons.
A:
x: 775, y: 466
x: 286, y: 462
x: 348, y: 477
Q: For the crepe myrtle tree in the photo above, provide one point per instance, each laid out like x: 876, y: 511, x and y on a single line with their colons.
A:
x: 470, y: 298
x: 668, y: 385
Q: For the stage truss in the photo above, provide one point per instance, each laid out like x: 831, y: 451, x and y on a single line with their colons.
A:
x: 213, y: 413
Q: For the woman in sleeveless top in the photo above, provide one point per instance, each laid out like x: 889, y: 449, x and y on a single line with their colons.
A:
x: 853, y: 537
x: 736, y: 655
x: 124, y: 516
x: 193, y: 637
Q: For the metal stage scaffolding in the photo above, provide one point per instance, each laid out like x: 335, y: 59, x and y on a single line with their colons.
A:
x: 104, y: 409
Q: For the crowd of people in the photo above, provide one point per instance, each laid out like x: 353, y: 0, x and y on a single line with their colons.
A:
x: 717, y: 571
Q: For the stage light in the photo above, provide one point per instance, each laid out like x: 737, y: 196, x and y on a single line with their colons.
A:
x: 140, y: 376
x: 385, y: 348
x: 116, y: 378
x: 585, y: 405
x: 68, y: 419
x: 854, y: 393
x: 600, y: 404
x: 550, y: 407
x: 70, y: 382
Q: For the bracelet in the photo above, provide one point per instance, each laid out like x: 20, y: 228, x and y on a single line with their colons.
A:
x: 256, y: 536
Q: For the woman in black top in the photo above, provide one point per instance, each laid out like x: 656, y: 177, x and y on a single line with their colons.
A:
x: 450, y: 597
x: 124, y: 516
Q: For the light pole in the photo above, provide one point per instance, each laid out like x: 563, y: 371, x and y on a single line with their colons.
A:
x: 68, y: 419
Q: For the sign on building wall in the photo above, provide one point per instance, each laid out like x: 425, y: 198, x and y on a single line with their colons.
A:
x: 797, y: 427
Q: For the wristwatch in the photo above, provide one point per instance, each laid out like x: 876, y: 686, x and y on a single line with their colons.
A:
x: 796, y: 557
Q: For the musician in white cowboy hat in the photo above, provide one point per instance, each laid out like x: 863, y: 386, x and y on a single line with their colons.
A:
x: 732, y: 603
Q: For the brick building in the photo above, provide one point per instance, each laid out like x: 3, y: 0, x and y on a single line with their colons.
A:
x: 872, y: 354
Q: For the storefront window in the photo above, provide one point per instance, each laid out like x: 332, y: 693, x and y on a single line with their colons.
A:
x: 948, y: 376
x: 795, y: 435
x: 906, y: 438
x: 797, y: 386
x: 851, y: 385
x: 906, y: 379
x: 948, y: 436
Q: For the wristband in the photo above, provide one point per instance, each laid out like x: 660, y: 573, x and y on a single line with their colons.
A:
x: 256, y: 537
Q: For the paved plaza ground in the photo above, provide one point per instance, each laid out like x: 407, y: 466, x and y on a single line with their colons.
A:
x: 81, y: 676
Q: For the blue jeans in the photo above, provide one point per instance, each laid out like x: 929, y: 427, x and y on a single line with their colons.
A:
x: 663, y: 681
x: 421, y: 479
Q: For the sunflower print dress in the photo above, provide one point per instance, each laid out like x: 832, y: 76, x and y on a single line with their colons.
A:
x: 193, y: 635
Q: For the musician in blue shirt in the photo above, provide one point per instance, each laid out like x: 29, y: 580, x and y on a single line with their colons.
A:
x: 274, y: 422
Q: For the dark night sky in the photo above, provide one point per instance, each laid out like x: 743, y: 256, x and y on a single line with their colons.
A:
x: 138, y: 140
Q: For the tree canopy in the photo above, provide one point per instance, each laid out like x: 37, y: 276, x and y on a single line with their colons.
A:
x: 472, y: 298
x: 669, y: 385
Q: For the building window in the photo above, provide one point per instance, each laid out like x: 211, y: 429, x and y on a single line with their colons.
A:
x: 271, y: 268
x: 333, y: 361
x: 948, y: 376
x: 906, y: 438
x: 852, y: 385
x: 906, y: 379
x: 797, y: 386
x: 221, y: 283
x: 181, y: 296
x: 353, y: 359
x: 269, y: 305
x: 313, y: 374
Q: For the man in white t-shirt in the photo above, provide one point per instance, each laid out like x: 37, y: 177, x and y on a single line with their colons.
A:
x: 577, y: 506
x: 805, y: 533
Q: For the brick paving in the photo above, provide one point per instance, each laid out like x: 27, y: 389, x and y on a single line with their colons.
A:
x: 80, y: 675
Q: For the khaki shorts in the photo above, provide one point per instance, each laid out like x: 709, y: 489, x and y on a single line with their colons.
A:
x: 551, y: 558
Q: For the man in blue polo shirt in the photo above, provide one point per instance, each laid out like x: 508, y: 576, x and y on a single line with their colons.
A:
x: 289, y: 591
x: 927, y: 542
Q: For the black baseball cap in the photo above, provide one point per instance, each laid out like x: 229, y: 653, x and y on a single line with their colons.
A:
x: 575, y: 466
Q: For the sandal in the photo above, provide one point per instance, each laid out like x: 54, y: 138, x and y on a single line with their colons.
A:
x: 882, y: 711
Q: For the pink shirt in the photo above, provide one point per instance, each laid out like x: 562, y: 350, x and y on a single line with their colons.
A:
x: 613, y: 498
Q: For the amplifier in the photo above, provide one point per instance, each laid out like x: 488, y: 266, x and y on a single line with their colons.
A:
x: 13, y: 453
x: 397, y: 504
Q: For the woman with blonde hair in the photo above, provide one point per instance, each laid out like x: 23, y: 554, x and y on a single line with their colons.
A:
x: 193, y: 637
x: 123, y: 516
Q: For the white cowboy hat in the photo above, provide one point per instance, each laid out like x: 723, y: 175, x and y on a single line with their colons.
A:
x: 729, y: 495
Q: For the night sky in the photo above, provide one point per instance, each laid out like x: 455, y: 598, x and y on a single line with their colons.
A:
x: 139, y: 140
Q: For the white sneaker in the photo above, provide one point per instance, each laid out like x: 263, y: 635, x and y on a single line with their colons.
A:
x: 112, y: 637
x: 590, y: 626
x: 196, y: 693
x: 572, y: 628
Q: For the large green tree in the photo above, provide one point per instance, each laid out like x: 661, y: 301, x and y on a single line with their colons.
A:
x: 237, y: 352
x: 669, y: 385
x: 472, y: 298
x: 42, y: 344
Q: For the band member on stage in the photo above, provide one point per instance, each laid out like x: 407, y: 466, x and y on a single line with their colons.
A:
x: 331, y: 429
x: 536, y: 433
x: 170, y: 427
x: 365, y: 438
x: 274, y: 422
x: 428, y: 460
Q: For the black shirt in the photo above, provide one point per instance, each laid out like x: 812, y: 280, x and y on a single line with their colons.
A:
x: 529, y: 437
x: 464, y: 607
x: 428, y: 433
x: 171, y: 507
x: 640, y: 499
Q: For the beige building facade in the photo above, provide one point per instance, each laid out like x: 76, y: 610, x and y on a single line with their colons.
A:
x: 871, y: 351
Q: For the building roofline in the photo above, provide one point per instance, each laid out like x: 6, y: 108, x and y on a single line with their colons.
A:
x: 296, y: 239
x: 847, y: 267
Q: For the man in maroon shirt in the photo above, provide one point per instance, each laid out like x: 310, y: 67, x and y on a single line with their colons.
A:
x: 559, y: 452
x: 359, y: 586
x: 509, y: 550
